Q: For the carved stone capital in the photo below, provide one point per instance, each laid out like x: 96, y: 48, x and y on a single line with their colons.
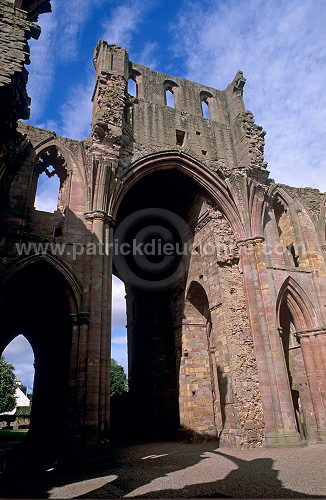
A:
x: 81, y: 318
x: 99, y: 215
x: 251, y: 241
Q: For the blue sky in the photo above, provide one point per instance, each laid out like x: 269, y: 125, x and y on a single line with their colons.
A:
x: 278, y: 44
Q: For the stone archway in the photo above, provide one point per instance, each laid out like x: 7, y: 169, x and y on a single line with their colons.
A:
x: 154, y: 313
x: 37, y: 301
x: 296, y: 314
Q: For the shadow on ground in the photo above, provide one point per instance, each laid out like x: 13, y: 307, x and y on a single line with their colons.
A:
x: 156, y: 470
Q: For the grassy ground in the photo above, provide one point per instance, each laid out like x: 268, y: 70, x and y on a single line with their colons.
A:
x: 12, y: 435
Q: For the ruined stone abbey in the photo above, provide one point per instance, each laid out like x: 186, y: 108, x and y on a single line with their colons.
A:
x: 227, y: 337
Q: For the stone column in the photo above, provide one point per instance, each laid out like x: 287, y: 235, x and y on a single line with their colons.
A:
x: 78, y: 374
x: 313, y: 344
x: 280, y: 423
x: 98, y: 341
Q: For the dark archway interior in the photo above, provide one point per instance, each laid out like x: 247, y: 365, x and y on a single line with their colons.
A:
x: 169, y: 188
x: 35, y: 302
x: 198, y: 299
x: 154, y: 316
x: 288, y: 327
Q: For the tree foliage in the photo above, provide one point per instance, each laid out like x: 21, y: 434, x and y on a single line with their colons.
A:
x: 118, y: 380
x: 7, y: 386
x: 23, y: 411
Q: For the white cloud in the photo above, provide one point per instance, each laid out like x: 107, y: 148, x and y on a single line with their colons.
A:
x: 59, y: 41
x: 48, y: 125
x: 147, y: 56
x: 119, y: 318
x: 281, y: 50
x: 42, y: 68
x: 73, y: 17
x: 120, y: 340
x: 122, y: 23
x: 76, y: 112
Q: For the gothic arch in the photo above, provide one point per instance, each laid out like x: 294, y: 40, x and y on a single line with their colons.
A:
x: 296, y: 317
x: 292, y: 204
x: 298, y: 303
x: 62, y: 149
x: 196, y: 171
x: 277, y: 190
x: 31, y: 165
x: 74, y: 288
x: 37, y: 301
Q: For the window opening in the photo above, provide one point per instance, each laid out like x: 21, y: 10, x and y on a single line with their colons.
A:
x: 205, y: 108
x: 57, y: 231
x: 132, y: 87
x: 47, y: 192
x: 170, y: 93
x: 180, y: 135
x: 51, y: 175
x: 119, y: 321
x: 169, y: 98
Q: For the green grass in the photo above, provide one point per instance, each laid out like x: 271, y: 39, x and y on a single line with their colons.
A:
x: 12, y: 435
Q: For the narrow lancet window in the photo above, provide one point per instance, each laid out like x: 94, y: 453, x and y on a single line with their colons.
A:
x: 132, y: 87
x: 169, y: 98
x: 205, y: 109
x: 171, y: 89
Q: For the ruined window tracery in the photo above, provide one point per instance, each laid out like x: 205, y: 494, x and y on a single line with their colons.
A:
x: 50, y: 181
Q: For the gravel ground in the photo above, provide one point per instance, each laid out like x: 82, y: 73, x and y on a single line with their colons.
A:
x: 175, y: 470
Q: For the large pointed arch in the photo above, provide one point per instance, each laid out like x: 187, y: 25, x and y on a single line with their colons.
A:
x: 204, y: 177
x: 298, y: 303
x: 74, y: 287
x: 37, y: 300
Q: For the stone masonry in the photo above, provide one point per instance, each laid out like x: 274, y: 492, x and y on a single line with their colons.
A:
x: 227, y: 341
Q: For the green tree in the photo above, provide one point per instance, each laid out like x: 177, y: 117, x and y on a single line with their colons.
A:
x: 118, y: 380
x: 7, y: 386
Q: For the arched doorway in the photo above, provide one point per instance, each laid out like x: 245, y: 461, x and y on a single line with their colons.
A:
x: 295, y: 314
x: 158, y: 208
x: 37, y: 300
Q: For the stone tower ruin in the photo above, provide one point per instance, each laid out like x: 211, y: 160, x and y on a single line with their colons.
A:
x: 227, y: 332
